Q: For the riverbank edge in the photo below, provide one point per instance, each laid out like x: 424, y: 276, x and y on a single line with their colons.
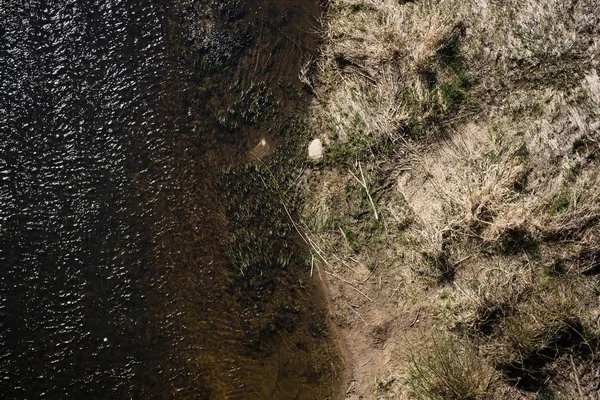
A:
x: 284, y: 331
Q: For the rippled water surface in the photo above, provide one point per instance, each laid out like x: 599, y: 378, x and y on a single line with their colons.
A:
x: 118, y: 228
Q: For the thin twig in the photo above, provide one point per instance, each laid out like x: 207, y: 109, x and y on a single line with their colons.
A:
x: 357, y: 313
x: 367, y: 190
x: 349, y: 283
x: 345, y: 264
x: 363, y: 183
x: 366, y: 362
x: 576, y: 374
x: 319, y: 252
x: 367, y: 278
x: 345, y: 238
x: 416, y: 319
x: 456, y: 264
x: 465, y: 293
x: 394, y: 292
x: 340, y: 278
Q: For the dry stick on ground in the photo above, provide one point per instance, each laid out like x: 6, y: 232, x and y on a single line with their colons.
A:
x: 349, y: 283
x: 345, y: 238
x: 456, y: 264
x: 357, y: 313
x: 366, y: 362
x: 317, y: 249
x: 394, y: 292
x: 355, y: 260
x: 363, y: 183
x: 465, y: 293
x: 416, y: 319
x: 575, y: 373
x: 367, y: 278
x: 345, y: 264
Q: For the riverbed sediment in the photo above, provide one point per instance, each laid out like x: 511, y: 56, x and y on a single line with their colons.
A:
x: 146, y: 251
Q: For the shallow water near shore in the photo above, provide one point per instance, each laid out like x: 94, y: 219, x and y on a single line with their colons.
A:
x: 143, y: 255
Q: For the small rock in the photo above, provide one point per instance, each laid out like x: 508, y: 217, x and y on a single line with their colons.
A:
x: 315, y: 150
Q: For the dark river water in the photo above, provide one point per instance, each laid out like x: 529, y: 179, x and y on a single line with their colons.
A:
x: 142, y: 255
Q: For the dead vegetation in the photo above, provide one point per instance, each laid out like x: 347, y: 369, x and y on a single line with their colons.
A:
x: 461, y: 185
x: 444, y: 370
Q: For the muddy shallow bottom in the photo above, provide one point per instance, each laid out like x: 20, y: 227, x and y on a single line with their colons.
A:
x: 146, y: 255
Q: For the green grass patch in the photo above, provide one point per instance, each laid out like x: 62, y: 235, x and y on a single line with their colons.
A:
x: 560, y: 203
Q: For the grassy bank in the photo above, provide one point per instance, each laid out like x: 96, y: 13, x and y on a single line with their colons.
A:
x: 456, y: 213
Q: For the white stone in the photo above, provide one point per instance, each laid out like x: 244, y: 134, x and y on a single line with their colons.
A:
x: 315, y: 150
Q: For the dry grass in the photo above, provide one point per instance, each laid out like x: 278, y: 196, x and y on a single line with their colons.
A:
x: 445, y: 370
x: 380, y: 62
x: 478, y: 126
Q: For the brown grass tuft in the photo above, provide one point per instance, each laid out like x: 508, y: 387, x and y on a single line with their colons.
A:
x: 445, y: 370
